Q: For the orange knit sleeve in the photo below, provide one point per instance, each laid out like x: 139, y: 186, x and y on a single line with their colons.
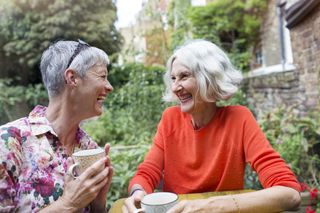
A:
x: 271, y: 168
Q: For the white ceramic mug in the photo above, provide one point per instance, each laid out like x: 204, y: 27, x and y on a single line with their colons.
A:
x: 158, y: 202
x: 83, y: 159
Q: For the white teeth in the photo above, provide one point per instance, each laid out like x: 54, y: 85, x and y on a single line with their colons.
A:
x: 185, y: 98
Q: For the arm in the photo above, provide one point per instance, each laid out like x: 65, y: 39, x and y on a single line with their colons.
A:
x: 149, y: 172
x: 274, y: 199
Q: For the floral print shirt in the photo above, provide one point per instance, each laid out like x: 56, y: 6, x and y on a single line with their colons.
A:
x: 33, y: 163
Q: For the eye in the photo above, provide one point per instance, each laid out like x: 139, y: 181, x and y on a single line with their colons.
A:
x: 184, y: 76
x: 173, y: 78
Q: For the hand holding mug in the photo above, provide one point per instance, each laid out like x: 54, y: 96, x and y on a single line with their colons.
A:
x: 79, y: 192
x: 89, y: 173
x: 159, y: 202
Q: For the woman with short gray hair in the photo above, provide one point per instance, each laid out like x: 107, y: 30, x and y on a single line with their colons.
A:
x: 35, y: 151
x: 201, y: 147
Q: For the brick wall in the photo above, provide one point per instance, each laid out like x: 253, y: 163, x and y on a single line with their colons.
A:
x: 305, y: 38
x: 299, y: 87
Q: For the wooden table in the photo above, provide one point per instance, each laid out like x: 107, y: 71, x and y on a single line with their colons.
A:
x: 117, y: 206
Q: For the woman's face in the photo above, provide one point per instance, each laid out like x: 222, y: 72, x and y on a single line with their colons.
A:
x: 93, y: 90
x: 184, y: 86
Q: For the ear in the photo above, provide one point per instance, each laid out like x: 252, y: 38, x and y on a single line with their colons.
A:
x: 70, y: 77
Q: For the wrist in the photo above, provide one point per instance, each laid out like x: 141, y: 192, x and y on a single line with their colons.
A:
x: 67, y: 205
x: 135, y: 190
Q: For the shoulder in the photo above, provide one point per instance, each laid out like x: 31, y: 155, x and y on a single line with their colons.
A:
x: 171, y: 118
x: 238, y: 113
x: 172, y: 114
x: 237, y: 110
x: 14, y: 129
x: 172, y: 110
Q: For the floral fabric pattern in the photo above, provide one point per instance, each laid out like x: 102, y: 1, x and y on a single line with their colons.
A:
x: 33, y: 163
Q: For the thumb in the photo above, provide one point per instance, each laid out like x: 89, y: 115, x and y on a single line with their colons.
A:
x: 139, y: 195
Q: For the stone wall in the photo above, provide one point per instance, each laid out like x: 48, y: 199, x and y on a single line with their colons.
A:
x: 266, y: 92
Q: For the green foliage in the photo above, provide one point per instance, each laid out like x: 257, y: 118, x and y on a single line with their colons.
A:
x: 180, y: 24
x: 27, y: 27
x: 16, y: 101
x: 133, y: 111
x: 240, y: 98
x: 231, y: 24
x: 124, y: 160
x: 297, y: 139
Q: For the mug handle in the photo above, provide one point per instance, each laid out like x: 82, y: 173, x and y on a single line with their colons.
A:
x: 71, y: 170
x: 139, y: 210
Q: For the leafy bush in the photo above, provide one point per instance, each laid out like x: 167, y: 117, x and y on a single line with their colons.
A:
x: 297, y: 139
x: 16, y: 101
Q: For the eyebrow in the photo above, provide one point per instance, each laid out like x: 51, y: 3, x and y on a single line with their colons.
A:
x: 185, y: 72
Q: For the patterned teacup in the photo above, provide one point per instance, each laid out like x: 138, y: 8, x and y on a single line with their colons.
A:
x: 83, y: 159
x: 158, y: 202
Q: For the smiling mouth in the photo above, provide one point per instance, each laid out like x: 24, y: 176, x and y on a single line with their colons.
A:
x: 185, y: 98
x: 101, y: 99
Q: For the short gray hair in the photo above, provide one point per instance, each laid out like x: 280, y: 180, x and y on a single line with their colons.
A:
x: 54, y: 62
x: 216, y: 77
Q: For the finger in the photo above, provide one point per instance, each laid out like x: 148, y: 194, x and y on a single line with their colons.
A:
x: 107, y: 148
x: 109, y: 177
x: 68, y: 177
x: 101, y: 176
x: 177, y: 208
x: 138, y: 195
x: 130, y: 204
x: 94, y: 169
x: 124, y: 209
x: 108, y: 161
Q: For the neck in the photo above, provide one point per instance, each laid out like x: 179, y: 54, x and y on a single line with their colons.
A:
x: 65, y: 124
x: 204, y: 116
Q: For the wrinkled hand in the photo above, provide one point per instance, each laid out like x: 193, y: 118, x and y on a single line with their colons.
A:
x: 132, y: 202
x: 79, y: 192
x: 98, y: 204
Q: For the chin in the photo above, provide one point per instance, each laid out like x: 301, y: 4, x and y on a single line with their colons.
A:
x: 186, y: 108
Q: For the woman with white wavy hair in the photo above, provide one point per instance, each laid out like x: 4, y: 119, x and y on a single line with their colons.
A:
x: 201, y: 147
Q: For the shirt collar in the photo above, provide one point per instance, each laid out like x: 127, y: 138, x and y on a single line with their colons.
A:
x: 39, y: 123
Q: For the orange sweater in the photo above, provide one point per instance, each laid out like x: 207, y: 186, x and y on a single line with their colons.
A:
x: 212, y: 158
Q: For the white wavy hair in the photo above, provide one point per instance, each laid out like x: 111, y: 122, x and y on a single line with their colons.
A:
x: 54, y: 62
x: 216, y: 77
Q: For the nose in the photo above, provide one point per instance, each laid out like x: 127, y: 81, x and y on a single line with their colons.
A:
x: 176, y: 86
x: 108, y: 86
